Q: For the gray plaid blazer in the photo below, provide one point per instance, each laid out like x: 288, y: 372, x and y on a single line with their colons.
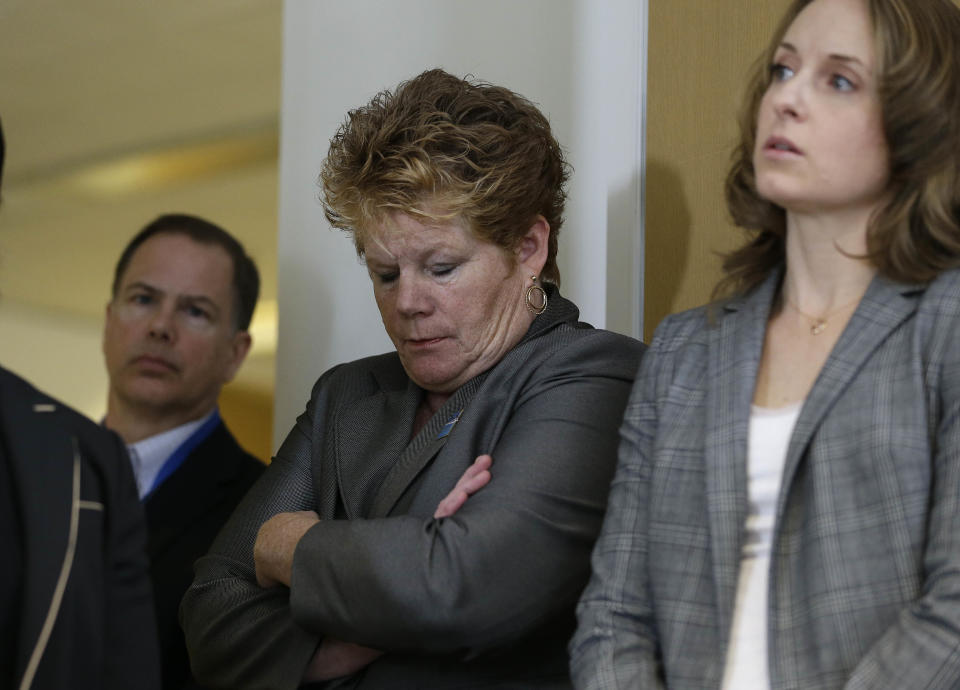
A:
x: 865, y: 568
x: 484, y: 599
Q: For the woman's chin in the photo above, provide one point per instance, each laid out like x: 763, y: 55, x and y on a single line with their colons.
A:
x: 431, y: 377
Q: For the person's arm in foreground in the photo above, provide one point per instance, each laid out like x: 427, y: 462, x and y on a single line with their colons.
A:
x: 614, y: 645
x: 335, y: 658
x: 239, y: 634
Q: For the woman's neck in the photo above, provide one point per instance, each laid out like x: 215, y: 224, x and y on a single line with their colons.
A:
x: 429, y: 404
x: 825, y: 268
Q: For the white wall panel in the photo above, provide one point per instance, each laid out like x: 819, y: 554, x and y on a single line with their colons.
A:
x: 580, y: 60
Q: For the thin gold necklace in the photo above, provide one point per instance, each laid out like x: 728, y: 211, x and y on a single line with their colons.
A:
x: 818, y: 324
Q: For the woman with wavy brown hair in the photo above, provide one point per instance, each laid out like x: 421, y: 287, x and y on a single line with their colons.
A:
x: 786, y: 511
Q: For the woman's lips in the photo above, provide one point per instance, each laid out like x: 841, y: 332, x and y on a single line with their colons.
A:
x: 781, y: 146
x: 418, y: 343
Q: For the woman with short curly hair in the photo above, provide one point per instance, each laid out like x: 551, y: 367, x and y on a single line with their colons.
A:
x: 355, y: 561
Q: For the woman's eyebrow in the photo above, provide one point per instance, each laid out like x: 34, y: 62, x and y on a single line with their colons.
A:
x: 839, y: 57
x: 849, y: 59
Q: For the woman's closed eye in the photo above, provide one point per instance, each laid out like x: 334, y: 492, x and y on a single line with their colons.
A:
x: 441, y: 270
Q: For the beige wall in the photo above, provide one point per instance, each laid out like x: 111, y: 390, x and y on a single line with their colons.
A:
x: 699, y: 55
x: 248, y: 413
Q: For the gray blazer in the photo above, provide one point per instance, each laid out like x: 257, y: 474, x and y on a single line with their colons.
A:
x: 482, y: 599
x: 865, y: 567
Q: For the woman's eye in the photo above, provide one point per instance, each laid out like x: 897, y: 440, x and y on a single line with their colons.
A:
x: 141, y: 298
x: 780, y: 72
x: 386, y: 277
x: 841, y: 83
x: 442, y: 269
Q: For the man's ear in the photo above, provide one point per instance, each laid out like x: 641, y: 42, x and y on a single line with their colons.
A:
x: 532, y: 252
x: 239, y: 348
x: 106, y: 324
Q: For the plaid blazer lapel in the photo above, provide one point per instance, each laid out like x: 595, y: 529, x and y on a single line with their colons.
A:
x: 884, y: 306
x: 735, y: 346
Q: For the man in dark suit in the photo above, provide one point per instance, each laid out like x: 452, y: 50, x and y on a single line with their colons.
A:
x: 176, y: 331
x: 75, y: 609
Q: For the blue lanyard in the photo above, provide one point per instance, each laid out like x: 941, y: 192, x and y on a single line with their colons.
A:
x: 183, y: 450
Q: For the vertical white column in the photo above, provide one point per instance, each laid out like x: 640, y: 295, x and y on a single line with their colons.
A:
x: 578, y: 60
x: 602, y: 262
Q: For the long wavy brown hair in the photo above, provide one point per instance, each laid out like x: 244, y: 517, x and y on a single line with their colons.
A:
x: 442, y: 148
x: 915, y: 235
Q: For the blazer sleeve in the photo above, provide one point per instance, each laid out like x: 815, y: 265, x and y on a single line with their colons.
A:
x: 615, y: 642
x: 514, y: 557
x: 922, y: 650
x: 238, y: 634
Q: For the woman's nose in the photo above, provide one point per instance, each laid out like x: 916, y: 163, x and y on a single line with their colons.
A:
x: 412, y: 295
x: 789, y: 98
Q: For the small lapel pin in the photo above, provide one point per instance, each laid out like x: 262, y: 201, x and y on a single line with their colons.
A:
x: 448, y: 427
x: 44, y: 407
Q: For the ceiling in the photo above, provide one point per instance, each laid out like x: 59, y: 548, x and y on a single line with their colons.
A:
x: 115, y: 111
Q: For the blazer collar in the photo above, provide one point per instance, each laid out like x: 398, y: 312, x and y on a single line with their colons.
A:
x: 735, y: 348
x: 559, y: 310
x: 884, y: 306
x: 423, y: 448
x: 376, y: 429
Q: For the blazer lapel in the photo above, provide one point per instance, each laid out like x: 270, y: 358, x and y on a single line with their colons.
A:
x: 42, y: 464
x: 423, y: 448
x: 735, y: 347
x: 883, y: 308
x: 377, y: 429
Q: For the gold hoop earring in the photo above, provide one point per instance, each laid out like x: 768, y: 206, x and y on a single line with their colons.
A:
x: 536, y: 305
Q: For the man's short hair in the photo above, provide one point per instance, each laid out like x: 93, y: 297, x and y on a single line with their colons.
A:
x: 246, y: 279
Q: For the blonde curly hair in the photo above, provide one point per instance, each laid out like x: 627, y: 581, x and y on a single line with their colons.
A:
x: 443, y: 148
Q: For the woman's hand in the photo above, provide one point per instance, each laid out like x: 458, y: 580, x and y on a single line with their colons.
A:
x: 475, y: 478
x: 276, y: 541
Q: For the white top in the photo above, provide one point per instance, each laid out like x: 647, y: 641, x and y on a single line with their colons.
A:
x: 148, y: 455
x: 770, y: 430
